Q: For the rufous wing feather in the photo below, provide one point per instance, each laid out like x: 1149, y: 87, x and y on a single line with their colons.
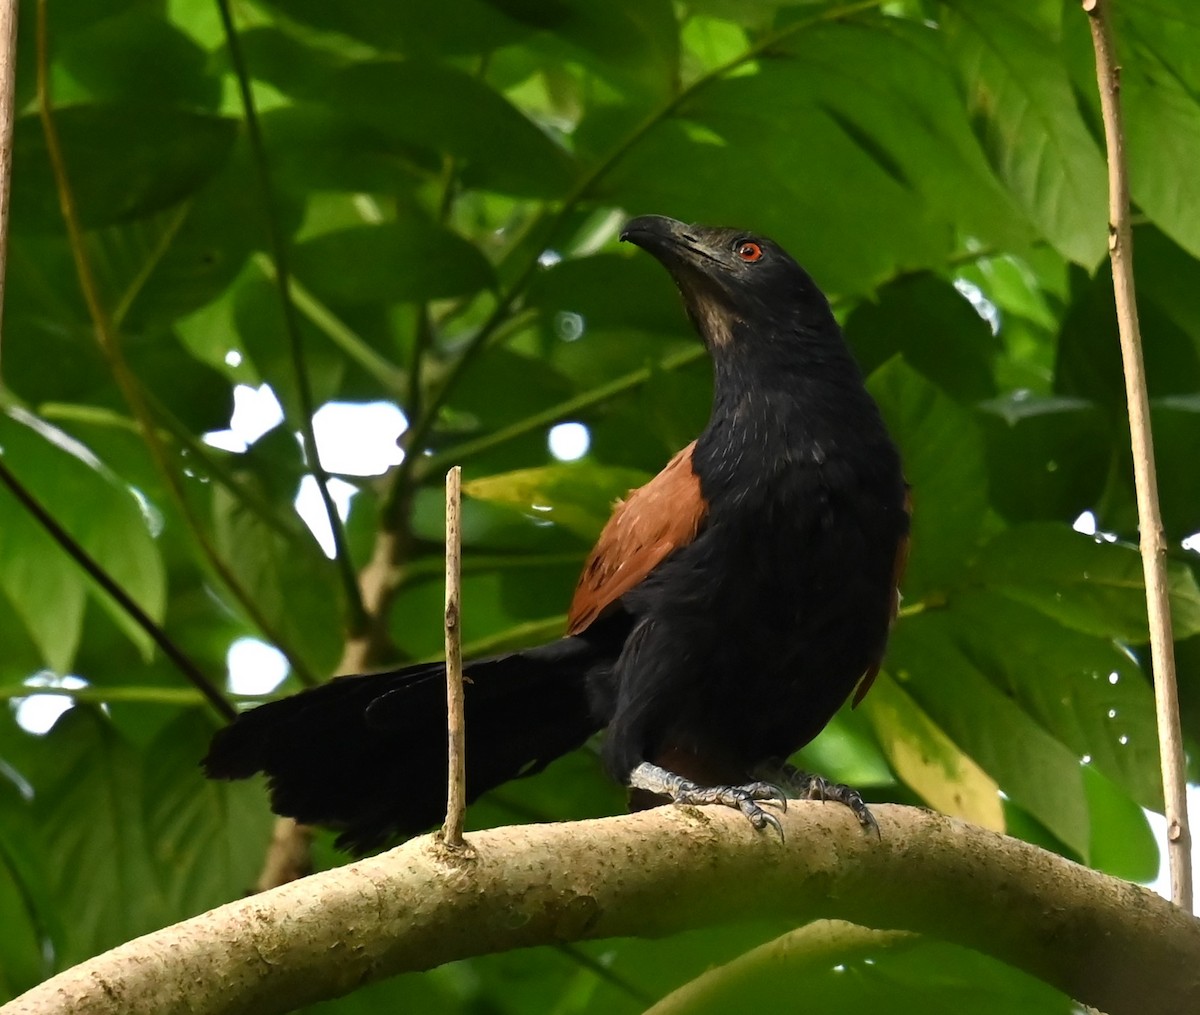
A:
x: 646, y: 527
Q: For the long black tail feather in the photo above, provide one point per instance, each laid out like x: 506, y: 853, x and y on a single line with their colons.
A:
x: 367, y: 754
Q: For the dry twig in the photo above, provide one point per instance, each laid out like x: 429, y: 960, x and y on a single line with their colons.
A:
x: 1153, y: 542
x: 456, y: 775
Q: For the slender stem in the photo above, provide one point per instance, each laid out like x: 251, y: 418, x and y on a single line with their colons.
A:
x: 389, y: 376
x: 456, y: 776
x: 139, y: 694
x: 564, y: 409
x: 127, y: 382
x: 8, y: 88
x: 102, y: 578
x: 1153, y: 542
x: 357, y: 616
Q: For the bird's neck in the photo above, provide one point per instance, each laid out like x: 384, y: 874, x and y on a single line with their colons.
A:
x: 796, y: 400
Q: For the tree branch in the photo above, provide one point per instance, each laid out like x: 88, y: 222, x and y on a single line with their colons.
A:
x: 1153, y: 542
x: 1101, y: 940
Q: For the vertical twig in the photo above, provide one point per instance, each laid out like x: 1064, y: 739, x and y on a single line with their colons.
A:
x: 356, y: 613
x: 1153, y: 543
x: 8, y: 88
x: 456, y: 790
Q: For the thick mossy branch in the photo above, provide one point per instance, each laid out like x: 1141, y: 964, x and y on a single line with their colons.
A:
x: 1108, y: 943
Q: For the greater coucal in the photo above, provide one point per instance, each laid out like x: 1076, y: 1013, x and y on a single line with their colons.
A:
x: 730, y: 607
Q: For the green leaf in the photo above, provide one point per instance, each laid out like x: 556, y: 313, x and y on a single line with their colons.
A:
x: 88, y: 791
x: 45, y: 586
x: 943, y: 461
x: 578, y: 496
x: 113, y: 59
x: 1084, y: 583
x: 23, y: 902
x: 890, y: 86
x: 690, y: 164
x: 316, y: 148
x: 449, y: 113
x: 1047, y: 457
x: 1030, y: 766
x: 207, y: 838
x: 1123, y: 843
x: 934, y: 328
x: 1025, y: 115
x: 1176, y: 426
x: 123, y: 162
x: 928, y: 760
x: 1089, y: 692
x: 409, y: 260
x: 291, y: 583
x: 417, y: 28
x: 258, y: 317
x: 1089, y: 348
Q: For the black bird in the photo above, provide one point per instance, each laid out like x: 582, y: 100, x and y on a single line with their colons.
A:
x: 730, y: 607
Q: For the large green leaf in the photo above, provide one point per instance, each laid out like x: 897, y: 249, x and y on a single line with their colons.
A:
x: 123, y: 161
x: 88, y: 807
x: 1083, y: 582
x: 1122, y: 842
x: 415, y: 28
x: 43, y: 584
x: 449, y: 113
x: 113, y: 59
x: 1087, y: 691
x: 1025, y: 115
x: 934, y: 328
x: 943, y: 462
x: 207, y: 839
x: 395, y: 261
x: 291, y: 583
x: 1033, y: 768
x: 23, y: 904
x: 1047, y: 456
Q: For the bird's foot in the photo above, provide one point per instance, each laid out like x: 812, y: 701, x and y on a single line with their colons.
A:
x: 660, y: 782
x: 807, y: 786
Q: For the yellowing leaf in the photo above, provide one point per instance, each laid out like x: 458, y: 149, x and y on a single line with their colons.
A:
x: 928, y: 760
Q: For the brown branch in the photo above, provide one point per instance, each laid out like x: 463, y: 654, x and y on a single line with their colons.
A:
x: 1101, y: 940
x: 456, y: 784
x: 8, y: 88
x: 1153, y: 542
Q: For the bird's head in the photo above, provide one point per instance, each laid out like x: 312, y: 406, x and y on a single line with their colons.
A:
x: 733, y: 281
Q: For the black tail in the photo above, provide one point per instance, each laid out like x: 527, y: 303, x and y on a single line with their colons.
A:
x: 367, y: 754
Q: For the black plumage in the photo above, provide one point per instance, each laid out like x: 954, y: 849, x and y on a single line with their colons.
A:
x: 729, y: 609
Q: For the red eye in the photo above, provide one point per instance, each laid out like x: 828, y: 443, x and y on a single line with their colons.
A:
x: 750, y: 252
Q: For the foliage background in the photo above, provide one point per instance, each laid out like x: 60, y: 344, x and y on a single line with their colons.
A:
x: 448, y: 179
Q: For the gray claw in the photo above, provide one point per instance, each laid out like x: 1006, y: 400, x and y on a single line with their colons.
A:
x: 814, y: 787
x: 745, y: 798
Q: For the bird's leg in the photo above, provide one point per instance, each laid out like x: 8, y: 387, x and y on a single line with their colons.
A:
x: 807, y: 786
x: 660, y: 782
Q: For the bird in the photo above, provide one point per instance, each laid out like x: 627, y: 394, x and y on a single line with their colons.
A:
x: 730, y: 607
